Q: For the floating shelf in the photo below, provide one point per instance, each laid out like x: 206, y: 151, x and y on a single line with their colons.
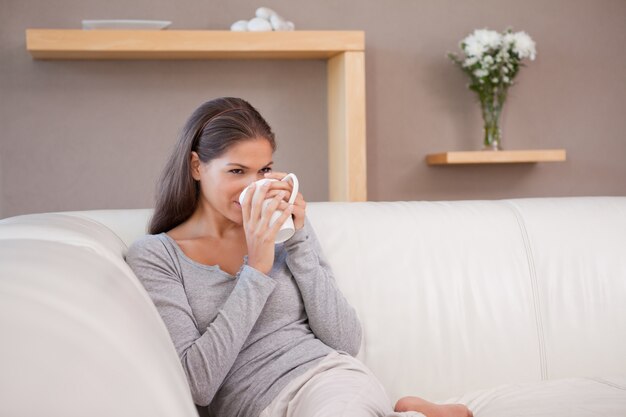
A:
x: 496, y: 157
x: 189, y: 44
x: 344, y: 52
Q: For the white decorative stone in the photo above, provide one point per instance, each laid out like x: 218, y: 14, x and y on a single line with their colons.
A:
x: 278, y: 23
x: 239, y: 26
x: 258, y: 24
x: 265, y: 13
x: 266, y: 20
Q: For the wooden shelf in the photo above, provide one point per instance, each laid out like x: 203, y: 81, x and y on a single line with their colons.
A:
x: 496, y: 157
x: 189, y: 44
x: 344, y: 52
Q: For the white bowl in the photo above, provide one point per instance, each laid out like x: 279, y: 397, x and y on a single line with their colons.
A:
x: 126, y: 24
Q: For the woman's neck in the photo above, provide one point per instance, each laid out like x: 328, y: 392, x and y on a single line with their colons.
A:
x: 206, y: 221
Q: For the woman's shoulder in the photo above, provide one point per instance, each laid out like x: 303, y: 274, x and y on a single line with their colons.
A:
x: 147, y: 246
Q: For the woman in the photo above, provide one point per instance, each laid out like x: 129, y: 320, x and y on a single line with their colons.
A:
x: 260, y: 328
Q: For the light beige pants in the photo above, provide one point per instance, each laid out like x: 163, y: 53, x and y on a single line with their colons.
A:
x: 338, y: 386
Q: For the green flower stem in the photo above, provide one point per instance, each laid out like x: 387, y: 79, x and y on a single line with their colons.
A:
x: 491, y: 106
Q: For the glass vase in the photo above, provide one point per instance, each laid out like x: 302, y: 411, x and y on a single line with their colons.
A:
x: 493, y: 135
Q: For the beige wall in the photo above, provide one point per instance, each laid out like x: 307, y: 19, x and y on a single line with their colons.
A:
x: 86, y: 135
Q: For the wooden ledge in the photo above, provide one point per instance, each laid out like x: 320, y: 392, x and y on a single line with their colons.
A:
x: 496, y: 157
x: 189, y: 44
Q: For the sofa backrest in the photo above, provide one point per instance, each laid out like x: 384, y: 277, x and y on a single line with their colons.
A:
x: 457, y: 296
x: 464, y: 295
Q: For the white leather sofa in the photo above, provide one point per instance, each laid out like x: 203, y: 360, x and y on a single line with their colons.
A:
x: 514, y: 307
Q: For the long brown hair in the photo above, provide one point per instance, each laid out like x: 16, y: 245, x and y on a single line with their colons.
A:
x: 210, y: 130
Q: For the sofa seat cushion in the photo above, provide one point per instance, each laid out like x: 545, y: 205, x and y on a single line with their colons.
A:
x: 569, y: 397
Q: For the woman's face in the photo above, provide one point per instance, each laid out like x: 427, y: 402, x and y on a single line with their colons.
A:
x: 223, y: 179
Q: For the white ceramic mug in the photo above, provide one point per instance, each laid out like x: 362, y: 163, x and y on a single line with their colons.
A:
x: 288, y: 228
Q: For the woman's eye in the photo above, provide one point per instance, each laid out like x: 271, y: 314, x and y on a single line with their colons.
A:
x: 239, y: 171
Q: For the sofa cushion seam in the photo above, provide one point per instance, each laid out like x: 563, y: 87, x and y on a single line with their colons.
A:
x: 534, y: 288
x: 608, y: 383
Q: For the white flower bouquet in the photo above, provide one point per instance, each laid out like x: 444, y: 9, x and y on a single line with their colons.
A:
x: 492, y: 60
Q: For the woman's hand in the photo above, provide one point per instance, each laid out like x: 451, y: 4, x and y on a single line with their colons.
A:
x: 260, y: 236
x: 299, y: 209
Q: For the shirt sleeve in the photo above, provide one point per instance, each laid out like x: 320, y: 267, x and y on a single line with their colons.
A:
x: 331, y: 318
x: 206, y: 358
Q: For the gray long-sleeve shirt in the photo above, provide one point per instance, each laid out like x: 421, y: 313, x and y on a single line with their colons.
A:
x: 242, y: 338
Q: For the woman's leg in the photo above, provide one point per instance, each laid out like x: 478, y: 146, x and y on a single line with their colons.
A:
x: 339, y: 386
x: 345, y: 391
x: 342, y: 386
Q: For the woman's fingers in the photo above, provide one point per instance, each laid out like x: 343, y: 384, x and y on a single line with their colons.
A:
x: 281, y: 185
x: 300, y: 200
x: 283, y: 205
x: 274, y: 191
x: 276, y: 175
x: 278, y: 186
x: 269, y: 209
x: 283, y: 217
x: 258, y: 214
x: 286, y: 185
x: 257, y: 202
